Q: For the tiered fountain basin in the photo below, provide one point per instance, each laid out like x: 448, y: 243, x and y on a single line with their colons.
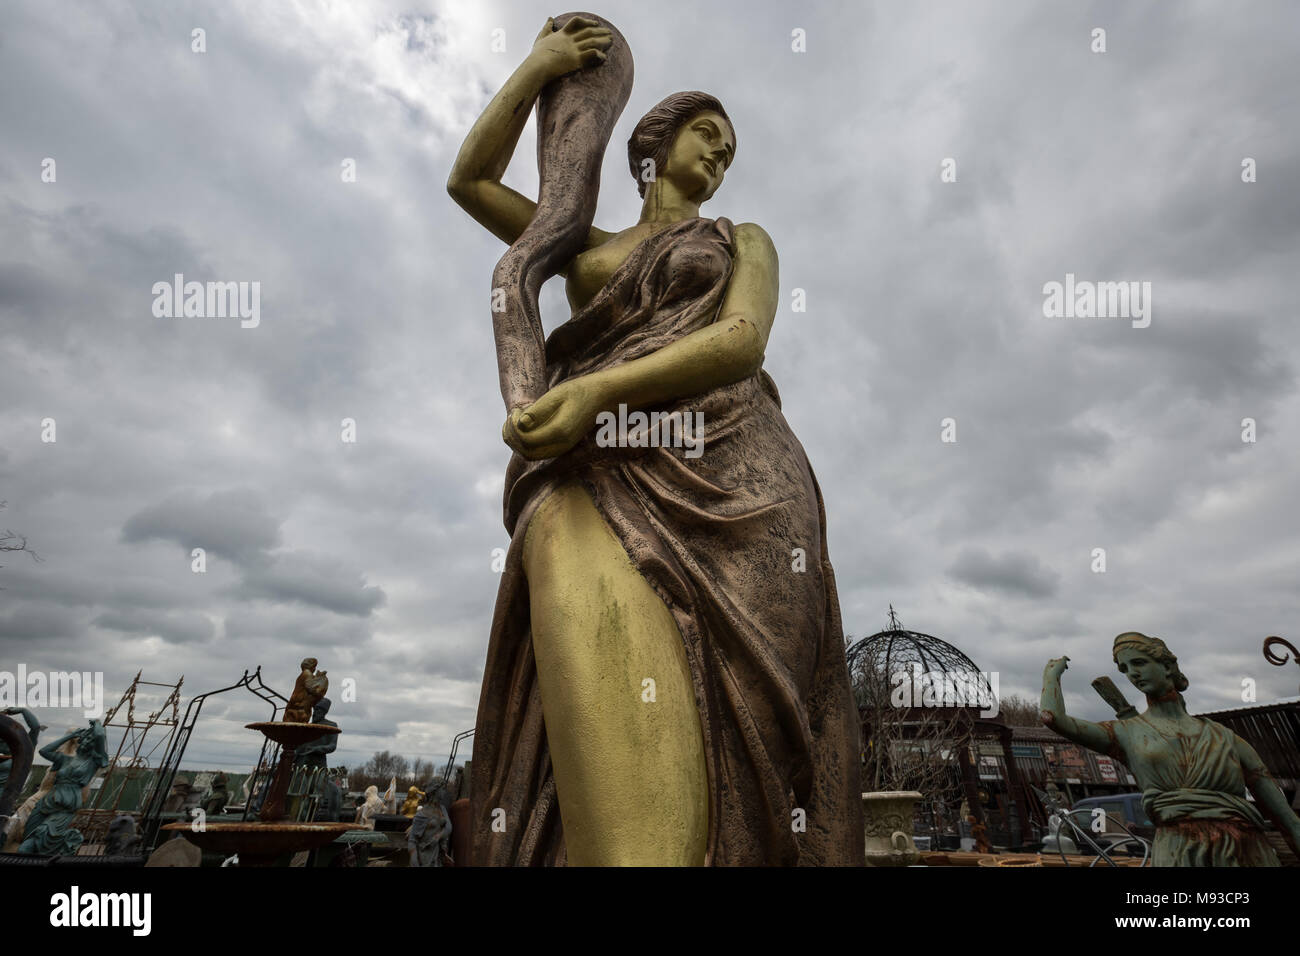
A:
x: 263, y: 841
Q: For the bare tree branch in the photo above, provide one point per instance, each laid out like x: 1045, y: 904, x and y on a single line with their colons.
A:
x: 12, y: 541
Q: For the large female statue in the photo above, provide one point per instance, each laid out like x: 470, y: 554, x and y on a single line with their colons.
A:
x: 665, y: 681
x: 1194, y: 772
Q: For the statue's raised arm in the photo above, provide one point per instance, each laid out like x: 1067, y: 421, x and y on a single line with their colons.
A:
x: 1052, y: 711
x: 587, y: 70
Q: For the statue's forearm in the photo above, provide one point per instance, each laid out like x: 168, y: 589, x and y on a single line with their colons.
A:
x: 1052, y: 701
x: 1099, y: 738
x: 708, y: 358
x: 51, y: 750
x: 726, y: 351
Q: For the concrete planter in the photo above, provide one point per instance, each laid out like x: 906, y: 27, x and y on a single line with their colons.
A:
x: 888, y: 817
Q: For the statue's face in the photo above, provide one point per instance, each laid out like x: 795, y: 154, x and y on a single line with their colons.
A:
x: 701, y: 154
x: 1147, y: 674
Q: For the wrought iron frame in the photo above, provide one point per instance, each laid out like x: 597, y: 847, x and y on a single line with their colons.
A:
x: 151, y: 818
x: 1082, y: 835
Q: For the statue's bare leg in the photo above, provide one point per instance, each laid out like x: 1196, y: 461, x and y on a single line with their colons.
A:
x: 628, y: 754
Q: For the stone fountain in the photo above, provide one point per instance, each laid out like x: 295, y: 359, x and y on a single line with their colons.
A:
x: 261, y: 842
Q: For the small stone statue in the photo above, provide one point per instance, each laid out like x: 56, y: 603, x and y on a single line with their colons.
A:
x: 49, y: 830
x: 123, y: 838
x: 1193, y: 772
x: 313, y: 752
x: 370, y: 809
x: 310, y: 687
x: 427, y: 837
x: 330, y: 806
x: 178, y: 796
x: 412, y: 802
x: 216, y: 802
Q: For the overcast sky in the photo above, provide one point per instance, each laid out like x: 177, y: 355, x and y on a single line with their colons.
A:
x: 924, y: 302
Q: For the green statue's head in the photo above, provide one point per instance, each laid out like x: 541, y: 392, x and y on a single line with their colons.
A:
x: 92, y: 742
x: 1149, y: 664
x: 688, y: 139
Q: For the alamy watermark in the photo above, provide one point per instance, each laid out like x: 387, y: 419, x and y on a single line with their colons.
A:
x: 651, y: 430
x: 83, y: 689
x: 208, y: 300
x: 1085, y: 299
x: 77, y: 909
x: 915, y: 688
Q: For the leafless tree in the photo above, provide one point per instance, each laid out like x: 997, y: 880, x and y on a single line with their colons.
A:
x: 379, y: 769
x: 12, y: 541
x: 910, y: 747
x: 1019, y: 711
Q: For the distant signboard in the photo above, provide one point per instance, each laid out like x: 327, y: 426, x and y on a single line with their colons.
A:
x: 1106, y: 766
x: 1071, y: 756
x: 1026, y: 750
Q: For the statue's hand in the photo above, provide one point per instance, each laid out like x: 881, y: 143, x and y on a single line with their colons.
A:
x: 555, y: 422
x: 1056, y: 667
x: 580, y: 43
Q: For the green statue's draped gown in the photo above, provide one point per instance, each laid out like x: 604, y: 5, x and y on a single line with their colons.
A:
x: 49, y: 829
x: 1193, y: 789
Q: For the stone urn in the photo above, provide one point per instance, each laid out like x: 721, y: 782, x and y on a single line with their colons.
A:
x: 888, y: 818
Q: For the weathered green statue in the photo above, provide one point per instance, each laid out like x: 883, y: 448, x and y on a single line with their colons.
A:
x: 49, y: 828
x: 1194, y: 772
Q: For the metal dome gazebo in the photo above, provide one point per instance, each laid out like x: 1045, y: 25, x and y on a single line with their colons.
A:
x: 911, y: 686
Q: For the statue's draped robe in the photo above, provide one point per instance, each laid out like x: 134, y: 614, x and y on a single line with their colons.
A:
x: 733, y: 541
x: 428, y: 834
x: 1193, y: 789
x: 49, y: 829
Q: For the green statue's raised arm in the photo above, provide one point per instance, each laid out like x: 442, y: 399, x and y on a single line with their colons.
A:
x: 1052, y: 707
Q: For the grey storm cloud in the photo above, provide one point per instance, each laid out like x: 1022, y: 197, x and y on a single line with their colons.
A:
x: 173, y: 628
x: 318, y: 580
x: 229, y: 524
x: 1017, y: 574
x: 923, y: 303
x: 25, y: 627
x: 294, y: 626
x: 237, y: 526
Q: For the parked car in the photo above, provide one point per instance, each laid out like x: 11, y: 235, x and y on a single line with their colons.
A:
x: 1105, y: 819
